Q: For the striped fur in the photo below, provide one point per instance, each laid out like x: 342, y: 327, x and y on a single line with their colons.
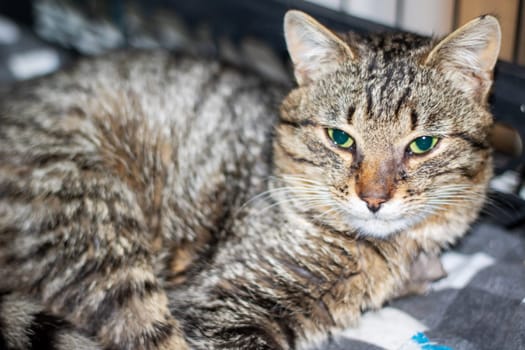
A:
x: 156, y: 201
x: 25, y: 325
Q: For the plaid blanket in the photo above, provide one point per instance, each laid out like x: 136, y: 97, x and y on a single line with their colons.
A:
x: 480, y: 305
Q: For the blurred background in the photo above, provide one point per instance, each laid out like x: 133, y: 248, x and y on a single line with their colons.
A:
x: 94, y: 26
x: 438, y: 17
x: 38, y: 37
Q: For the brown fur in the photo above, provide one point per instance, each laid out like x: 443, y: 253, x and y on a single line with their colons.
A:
x: 164, y: 202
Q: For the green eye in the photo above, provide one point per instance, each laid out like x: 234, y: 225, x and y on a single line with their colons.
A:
x: 340, y: 138
x: 423, y: 144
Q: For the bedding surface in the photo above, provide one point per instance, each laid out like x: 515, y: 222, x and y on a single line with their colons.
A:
x: 479, y: 305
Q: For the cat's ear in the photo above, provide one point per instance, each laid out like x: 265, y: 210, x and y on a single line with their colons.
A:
x: 468, y: 56
x: 314, y: 49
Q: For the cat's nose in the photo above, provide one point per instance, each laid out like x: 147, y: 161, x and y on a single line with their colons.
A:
x: 374, y: 203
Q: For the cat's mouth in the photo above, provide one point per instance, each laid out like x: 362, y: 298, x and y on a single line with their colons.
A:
x: 378, y: 227
x: 388, y: 220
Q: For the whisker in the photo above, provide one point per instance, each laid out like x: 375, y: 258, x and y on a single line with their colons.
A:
x: 299, y: 178
x: 326, y: 213
x: 317, y: 202
x: 275, y: 191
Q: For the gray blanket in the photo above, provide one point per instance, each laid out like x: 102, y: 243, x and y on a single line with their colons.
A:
x: 479, y: 305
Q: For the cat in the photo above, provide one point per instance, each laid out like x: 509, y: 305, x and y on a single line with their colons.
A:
x: 158, y: 201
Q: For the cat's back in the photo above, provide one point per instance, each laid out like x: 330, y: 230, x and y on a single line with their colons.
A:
x: 178, y: 141
x: 165, y: 88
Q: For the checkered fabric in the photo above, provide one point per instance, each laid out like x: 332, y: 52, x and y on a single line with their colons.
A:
x: 480, y: 305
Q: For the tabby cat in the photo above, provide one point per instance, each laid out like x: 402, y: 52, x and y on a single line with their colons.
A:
x: 159, y: 201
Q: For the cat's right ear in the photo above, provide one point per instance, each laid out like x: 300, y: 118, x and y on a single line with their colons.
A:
x: 314, y: 49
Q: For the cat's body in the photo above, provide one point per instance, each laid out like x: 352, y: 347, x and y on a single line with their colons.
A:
x: 159, y: 201
x: 114, y: 170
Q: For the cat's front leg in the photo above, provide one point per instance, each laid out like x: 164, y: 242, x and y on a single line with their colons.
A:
x: 224, y: 326
x: 112, y: 293
x: 221, y: 316
x: 126, y: 309
x: 424, y: 270
x: 81, y: 248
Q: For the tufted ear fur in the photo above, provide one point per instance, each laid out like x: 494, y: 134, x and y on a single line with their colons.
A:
x: 468, y: 56
x: 315, y: 50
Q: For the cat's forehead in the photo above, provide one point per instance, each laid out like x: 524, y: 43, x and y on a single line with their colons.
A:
x: 389, y: 46
x: 373, y: 91
x: 386, y: 90
x: 385, y: 66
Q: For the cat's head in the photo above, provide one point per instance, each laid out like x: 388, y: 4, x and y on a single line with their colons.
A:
x: 385, y: 132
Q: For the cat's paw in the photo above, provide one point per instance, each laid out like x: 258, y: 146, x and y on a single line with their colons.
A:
x: 425, y: 270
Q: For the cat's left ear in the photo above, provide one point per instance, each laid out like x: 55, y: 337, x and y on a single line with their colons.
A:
x: 468, y: 56
x: 314, y: 49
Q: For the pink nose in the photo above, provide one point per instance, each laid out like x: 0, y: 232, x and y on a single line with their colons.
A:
x: 374, y: 203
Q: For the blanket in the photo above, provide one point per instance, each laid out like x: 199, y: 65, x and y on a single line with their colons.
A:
x: 479, y: 305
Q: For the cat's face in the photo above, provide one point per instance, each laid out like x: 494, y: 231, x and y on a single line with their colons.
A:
x: 377, y: 141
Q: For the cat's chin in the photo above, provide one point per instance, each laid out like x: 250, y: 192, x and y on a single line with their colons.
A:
x: 379, y: 228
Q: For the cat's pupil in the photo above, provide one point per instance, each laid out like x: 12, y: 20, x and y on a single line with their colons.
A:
x: 424, y: 143
x: 340, y: 137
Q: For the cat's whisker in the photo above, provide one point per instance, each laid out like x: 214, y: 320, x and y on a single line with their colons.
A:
x: 303, y: 186
x: 278, y: 190
x: 310, y: 203
x: 300, y: 179
x: 311, y: 195
x: 326, y: 213
x: 426, y: 210
x: 498, y: 211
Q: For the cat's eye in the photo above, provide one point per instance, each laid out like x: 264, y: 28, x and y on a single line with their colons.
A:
x: 423, y: 144
x: 340, y: 138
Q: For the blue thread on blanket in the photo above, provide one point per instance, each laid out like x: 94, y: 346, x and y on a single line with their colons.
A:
x: 422, y: 339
